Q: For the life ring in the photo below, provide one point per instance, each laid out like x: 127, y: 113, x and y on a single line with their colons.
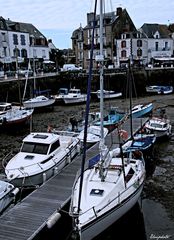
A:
x: 123, y: 134
x: 137, y: 154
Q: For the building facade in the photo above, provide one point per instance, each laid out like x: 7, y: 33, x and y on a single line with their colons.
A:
x: 122, y: 40
x: 21, y: 43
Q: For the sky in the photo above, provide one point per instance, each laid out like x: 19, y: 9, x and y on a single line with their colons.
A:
x: 57, y: 19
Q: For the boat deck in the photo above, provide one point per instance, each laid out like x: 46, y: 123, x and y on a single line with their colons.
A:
x: 28, y: 217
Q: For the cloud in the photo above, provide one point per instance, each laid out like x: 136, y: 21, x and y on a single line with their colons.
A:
x: 66, y: 15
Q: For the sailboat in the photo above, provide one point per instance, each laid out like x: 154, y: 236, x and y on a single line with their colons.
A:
x: 105, y: 191
x: 39, y: 100
x: 12, y: 116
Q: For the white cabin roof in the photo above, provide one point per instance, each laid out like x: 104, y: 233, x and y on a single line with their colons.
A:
x: 37, y: 137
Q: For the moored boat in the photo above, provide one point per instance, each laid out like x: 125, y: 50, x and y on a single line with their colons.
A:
x: 161, y: 127
x: 106, y: 190
x: 155, y: 89
x: 41, y: 156
x: 93, y: 135
x: 60, y: 95
x: 107, y: 94
x: 111, y: 120
x: 74, y: 96
x: 40, y: 101
x: 12, y: 116
x: 141, y: 110
x: 7, y: 195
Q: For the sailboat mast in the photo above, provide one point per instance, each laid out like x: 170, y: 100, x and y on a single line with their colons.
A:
x: 101, y: 70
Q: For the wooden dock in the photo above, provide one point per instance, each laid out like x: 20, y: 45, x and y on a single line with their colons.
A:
x: 28, y: 217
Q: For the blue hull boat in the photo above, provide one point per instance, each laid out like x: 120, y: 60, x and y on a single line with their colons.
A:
x: 110, y: 121
x: 141, y: 110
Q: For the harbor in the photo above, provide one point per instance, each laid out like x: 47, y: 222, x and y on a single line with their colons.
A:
x: 156, y: 183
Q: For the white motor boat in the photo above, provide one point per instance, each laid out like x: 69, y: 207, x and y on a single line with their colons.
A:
x: 7, y: 195
x: 93, y: 135
x: 108, y: 94
x: 41, y: 156
x: 161, y: 127
x: 12, y: 116
x: 74, y: 96
x: 61, y: 94
x: 39, y: 102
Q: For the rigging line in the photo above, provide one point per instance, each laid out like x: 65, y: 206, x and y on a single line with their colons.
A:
x: 87, y: 109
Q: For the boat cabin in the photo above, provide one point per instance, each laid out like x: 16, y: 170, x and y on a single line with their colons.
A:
x: 40, y: 143
x: 4, y: 107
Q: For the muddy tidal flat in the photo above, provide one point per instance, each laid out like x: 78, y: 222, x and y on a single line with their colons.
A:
x: 158, y: 194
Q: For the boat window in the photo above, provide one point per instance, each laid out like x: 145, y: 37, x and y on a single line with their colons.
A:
x: 38, y: 148
x: 156, y: 125
x: 129, y: 175
x: 54, y: 146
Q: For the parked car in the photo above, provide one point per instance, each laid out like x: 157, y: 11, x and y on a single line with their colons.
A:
x: 71, y: 67
x: 24, y: 72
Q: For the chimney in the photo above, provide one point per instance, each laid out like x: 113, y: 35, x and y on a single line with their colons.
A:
x: 118, y: 11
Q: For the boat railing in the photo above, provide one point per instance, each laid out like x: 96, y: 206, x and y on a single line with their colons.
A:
x: 6, y: 159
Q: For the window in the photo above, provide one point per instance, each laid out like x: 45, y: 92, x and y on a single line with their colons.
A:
x: 3, y: 37
x: 156, y: 46
x: 123, y: 54
x: 139, y: 52
x: 139, y: 43
x: 34, y: 53
x: 5, y: 51
x: 16, y: 52
x: 123, y: 44
x: 166, y: 46
x: 43, y: 54
x: 54, y: 146
x: 24, y: 53
x: 23, y: 40
x: 15, y: 39
x: 38, y: 148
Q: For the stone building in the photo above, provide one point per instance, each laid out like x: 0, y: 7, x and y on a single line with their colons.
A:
x: 122, y: 40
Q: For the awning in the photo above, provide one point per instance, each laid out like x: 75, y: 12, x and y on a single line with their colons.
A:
x: 48, y: 61
x: 164, y: 58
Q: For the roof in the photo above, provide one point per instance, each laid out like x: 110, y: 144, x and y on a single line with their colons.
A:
x: 151, y: 28
x: 44, y: 138
x: 24, y: 27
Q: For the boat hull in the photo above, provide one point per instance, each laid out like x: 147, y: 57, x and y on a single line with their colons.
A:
x: 74, y: 100
x: 38, y: 104
x: 139, y: 113
x: 101, y: 223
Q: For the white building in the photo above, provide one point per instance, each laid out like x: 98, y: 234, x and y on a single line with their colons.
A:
x: 21, y: 42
